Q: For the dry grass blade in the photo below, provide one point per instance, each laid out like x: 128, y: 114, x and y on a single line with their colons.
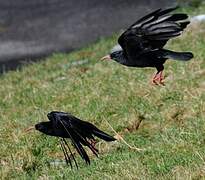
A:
x: 120, y: 138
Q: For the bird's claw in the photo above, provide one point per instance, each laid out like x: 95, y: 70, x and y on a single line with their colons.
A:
x: 93, y: 142
x: 158, y: 82
x: 158, y: 79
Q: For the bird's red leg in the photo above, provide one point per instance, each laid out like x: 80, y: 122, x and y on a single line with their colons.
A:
x: 154, y: 79
x: 161, y: 78
x: 93, y: 142
x: 158, y: 78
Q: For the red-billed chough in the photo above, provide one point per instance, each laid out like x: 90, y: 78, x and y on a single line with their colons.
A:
x: 141, y: 45
x: 65, y: 125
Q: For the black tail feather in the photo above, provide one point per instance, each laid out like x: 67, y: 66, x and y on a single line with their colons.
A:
x: 103, y: 135
x: 181, y: 56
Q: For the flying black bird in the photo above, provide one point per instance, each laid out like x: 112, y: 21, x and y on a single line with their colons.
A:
x: 64, y: 125
x: 141, y: 45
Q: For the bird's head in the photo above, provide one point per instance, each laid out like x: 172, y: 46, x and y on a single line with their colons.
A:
x: 116, y: 56
x: 45, y: 127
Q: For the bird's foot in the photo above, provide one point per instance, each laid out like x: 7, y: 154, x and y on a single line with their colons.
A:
x: 93, y: 142
x: 158, y: 79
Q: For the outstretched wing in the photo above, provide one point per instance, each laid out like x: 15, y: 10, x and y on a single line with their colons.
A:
x: 152, y: 31
x: 76, y: 140
x: 80, y: 133
x: 87, y: 129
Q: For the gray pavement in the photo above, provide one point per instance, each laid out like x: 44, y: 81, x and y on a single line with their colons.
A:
x: 30, y: 30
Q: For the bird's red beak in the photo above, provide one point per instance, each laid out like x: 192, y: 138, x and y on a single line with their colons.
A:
x: 107, y: 57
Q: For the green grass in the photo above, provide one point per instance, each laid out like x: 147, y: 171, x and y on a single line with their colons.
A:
x: 172, y: 130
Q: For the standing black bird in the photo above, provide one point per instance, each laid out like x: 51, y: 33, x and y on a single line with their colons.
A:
x: 141, y: 45
x: 80, y: 132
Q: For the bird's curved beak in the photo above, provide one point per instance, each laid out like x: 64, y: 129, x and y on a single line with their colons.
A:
x: 107, y: 57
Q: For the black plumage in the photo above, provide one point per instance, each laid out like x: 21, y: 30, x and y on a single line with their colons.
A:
x: 65, y: 125
x: 142, y: 43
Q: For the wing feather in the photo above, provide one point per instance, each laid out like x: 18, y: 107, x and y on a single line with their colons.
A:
x: 76, y: 143
x: 152, y: 31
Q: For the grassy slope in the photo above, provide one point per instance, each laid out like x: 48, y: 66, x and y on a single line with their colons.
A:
x: 172, y: 130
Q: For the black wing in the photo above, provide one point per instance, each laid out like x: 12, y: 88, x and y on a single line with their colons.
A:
x: 80, y: 132
x: 87, y: 129
x: 76, y: 140
x: 152, y: 31
x: 62, y: 120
